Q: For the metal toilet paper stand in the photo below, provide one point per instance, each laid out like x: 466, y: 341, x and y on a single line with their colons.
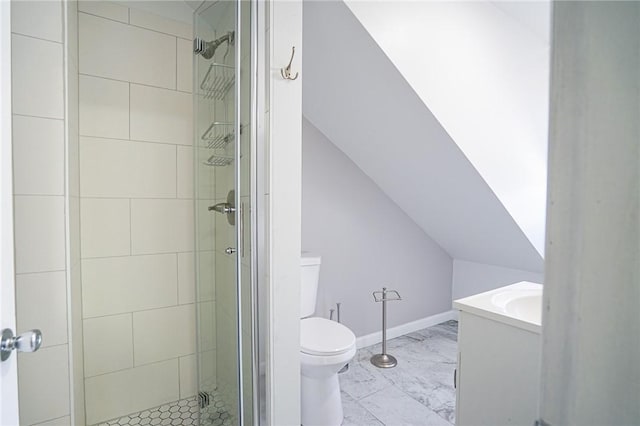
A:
x: 384, y: 360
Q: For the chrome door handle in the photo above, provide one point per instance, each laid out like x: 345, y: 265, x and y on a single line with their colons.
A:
x: 29, y: 341
x: 229, y: 250
x: 225, y: 208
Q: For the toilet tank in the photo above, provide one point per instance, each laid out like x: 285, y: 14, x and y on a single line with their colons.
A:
x: 309, y: 274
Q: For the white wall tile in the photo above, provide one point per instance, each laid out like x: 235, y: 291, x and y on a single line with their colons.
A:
x: 108, y: 344
x: 62, y: 421
x: 207, y: 225
x: 160, y: 334
x: 161, y: 226
x: 141, y: 18
x: 185, y: 172
x: 207, y: 275
x: 39, y: 233
x: 184, y: 57
x: 41, y: 302
x: 161, y: 115
x: 104, y: 107
x: 186, y: 278
x: 43, y: 384
x: 105, y: 227
x: 206, y: 188
x: 207, y: 326
x: 37, y: 77
x: 38, y: 155
x: 188, y: 376
x: 117, y: 394
x: 207, y: 367
x: 41, y: 19
x: 106, y: 9
x: 126, y: 284
x: 115, y: 168
x: 122, y: 52
x: 225, y: 283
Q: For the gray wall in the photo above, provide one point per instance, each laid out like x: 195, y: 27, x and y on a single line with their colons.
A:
x: 366, y: 241
x: 471, y: 278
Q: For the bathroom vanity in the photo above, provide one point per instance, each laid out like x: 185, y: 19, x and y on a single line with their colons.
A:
x: 498, y: 374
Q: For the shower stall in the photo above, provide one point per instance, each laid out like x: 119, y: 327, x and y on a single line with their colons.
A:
x: 225, y: 211
x: 137, y: 255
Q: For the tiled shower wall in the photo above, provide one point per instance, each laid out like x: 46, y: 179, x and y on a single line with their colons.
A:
x: 136, y: 209
x: 44, y: 213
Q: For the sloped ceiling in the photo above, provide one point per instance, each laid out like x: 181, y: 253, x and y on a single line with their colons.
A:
x: 355, y: 95
x: 482, y: 68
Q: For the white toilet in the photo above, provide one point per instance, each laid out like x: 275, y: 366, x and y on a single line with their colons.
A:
x: 325, y: 347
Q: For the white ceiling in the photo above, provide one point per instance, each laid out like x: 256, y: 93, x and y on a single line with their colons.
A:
x: 482, y: 70
x: 534, y: 14
x: 355, y: 95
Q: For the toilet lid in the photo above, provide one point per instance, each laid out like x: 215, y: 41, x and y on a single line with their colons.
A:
x: 320, y: 336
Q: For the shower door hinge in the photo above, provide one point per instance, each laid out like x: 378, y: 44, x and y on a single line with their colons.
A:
x: 199, y: 45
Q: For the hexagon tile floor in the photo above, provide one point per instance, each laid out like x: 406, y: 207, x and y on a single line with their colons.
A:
x: 179, y: 413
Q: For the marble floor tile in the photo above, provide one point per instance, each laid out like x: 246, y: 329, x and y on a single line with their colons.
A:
x: 436, y: 346
x: 451, y: 324
x: 437, y: 331
x: 362, y: 379
x: 394, y: 407
x: 355, y: 414
x: 422, y: 380
x: 429, y: 383
x: 392, y: 344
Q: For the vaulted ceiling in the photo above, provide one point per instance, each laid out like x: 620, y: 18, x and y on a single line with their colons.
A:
x: 453, y: 156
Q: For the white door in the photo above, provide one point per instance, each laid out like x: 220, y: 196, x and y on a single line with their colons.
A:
x: 8, y: 368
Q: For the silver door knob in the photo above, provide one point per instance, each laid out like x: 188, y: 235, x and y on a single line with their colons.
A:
x: 29, y: 341
x: 229, y: 250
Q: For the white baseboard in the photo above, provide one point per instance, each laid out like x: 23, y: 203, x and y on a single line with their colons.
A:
x: 402, y: 329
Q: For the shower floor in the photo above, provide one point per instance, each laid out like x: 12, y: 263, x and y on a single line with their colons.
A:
x: 418, y: 391
x: 182, y: 413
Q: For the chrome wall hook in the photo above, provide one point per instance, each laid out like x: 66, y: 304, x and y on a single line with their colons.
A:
x: 286, y: 72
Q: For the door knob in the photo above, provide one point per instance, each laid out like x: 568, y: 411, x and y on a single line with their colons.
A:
x: 29, y: 341
x: 229, y: 250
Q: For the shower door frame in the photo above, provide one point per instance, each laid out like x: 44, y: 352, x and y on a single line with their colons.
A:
x: 240, y: 93
x: 253, y: 184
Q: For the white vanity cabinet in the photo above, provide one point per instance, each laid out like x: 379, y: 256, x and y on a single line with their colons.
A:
x: 498, y: 375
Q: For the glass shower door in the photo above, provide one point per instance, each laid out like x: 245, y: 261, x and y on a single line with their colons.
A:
x: 222, y: 167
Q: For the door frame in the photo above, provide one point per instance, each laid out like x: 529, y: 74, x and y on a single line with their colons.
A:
x: 9, y: 408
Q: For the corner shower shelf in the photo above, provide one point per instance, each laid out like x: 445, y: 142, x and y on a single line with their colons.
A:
x: 218, y: 80
x: 218, y: 160
x: 218, y: 135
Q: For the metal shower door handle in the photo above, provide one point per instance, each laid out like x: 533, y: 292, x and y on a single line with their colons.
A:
x: 227, y: 208
x: 29, y: 341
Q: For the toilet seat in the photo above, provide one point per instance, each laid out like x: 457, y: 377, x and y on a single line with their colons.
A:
x: 320, y: 336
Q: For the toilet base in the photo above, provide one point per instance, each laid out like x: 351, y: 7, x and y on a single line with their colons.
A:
x: 321, y: 402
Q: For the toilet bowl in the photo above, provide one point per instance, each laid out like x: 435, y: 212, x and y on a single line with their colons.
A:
x: 325, y: 347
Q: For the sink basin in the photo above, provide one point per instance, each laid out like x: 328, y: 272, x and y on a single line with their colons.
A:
x: 527, y: 308
x: 517, y: 304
